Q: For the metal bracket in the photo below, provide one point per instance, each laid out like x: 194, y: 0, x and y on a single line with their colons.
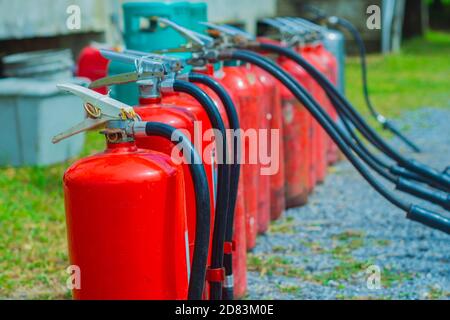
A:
x: 100, y: 109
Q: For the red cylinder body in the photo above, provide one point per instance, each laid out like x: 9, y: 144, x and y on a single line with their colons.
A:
x: 239, y: 230
x: 329, y: 60
x: 239, y: 235
x: 176, y: 116
x: 236, y: 80
x: 92, y: 65
x: 268, y: 88
x: 273, y: 119
x: 320, y: 146
x: 126, y: 225
x: 298, y: 140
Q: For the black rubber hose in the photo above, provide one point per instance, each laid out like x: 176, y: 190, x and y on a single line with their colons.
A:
x: 414, y: 212
x: 386, y: 123
x: 395, y: 170
x: 202, y: 206
x: 233, y: 119
x: 434, y: 196
x: 403, y: 172
x: 439, y: 178
x: 223, y: 183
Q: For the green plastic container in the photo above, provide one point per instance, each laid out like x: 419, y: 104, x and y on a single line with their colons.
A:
x: 140, y: 34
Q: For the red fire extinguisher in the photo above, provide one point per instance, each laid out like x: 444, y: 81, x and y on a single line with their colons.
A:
x: 299, y: 139
x: 329, y: 60
x: 181, y: 111
x: 92, y: 65
x: 238, y: 280
x: 274, y: 118
x: 236, y: 79
x: 307, y: 51
x: 126, y: 211
x: 270, y: 100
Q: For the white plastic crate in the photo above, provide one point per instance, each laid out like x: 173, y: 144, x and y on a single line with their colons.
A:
x: 32, y: 112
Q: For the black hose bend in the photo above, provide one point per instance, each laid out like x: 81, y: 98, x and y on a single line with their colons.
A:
x: 437, y: 197
x: 233, y: 120
x: 220, y: 221
x: 330, y: 127
x: 202, y: 206
x: 440, y: 179
x: 386, y: 123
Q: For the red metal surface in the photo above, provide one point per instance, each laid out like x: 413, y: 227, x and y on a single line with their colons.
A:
x: 239, y: 232
x: 268, y: 88
x: 320, y: 153
x: 176, y: 115
x: 275, y: 122
x: 92, y: 65
x: 299, y: 140
x: 238, y: 81
x: 179, y: 113
x: 240, y: 254
x: 126, y: 225
x: 331, y: 63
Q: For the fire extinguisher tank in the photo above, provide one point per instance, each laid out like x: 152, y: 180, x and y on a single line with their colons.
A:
x: 299, y: 141
x: 177, y: 116
x: 126, y: 225
x: 236, y: 80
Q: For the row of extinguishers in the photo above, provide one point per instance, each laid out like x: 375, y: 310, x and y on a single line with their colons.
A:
x: 143, y: 226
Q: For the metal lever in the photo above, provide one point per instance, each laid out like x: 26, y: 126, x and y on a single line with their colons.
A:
x: 314, y: 28
x: 288, y: 34
x: 171, y: 64
x: 123, y: 78
x: 191, y: 36
x: 279, y: 26
x: 240, y: 32
x: 99, y: 108
x: 147, y: 66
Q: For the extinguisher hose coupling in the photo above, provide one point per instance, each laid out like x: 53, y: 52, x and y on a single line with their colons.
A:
x: 429, y: 218
x: 166, y: 85
x: 139, y: 129
x: 437, y: 197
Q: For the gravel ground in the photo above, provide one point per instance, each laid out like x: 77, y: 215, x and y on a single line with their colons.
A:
x: 327, y: 249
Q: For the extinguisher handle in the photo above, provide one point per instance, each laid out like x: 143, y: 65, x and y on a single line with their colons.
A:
x: 99, y: 108
x: 188, y: 34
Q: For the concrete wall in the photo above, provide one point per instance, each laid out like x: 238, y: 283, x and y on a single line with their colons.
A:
x: 21, y: 19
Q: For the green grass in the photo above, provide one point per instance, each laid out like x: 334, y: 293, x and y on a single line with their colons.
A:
x: 417, y: 77
x: 33, y: 253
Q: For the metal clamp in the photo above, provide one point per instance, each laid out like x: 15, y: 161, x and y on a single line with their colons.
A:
x: 215, y: 275
x: 151, y: 70
x: 100, y: 109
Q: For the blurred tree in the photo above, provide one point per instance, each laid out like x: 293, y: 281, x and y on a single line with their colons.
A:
x: 415, y: 21
x: 439, y: 11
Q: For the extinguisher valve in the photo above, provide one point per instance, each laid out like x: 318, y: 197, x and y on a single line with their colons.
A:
x: 100, y: 110
x: 153, y: 72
